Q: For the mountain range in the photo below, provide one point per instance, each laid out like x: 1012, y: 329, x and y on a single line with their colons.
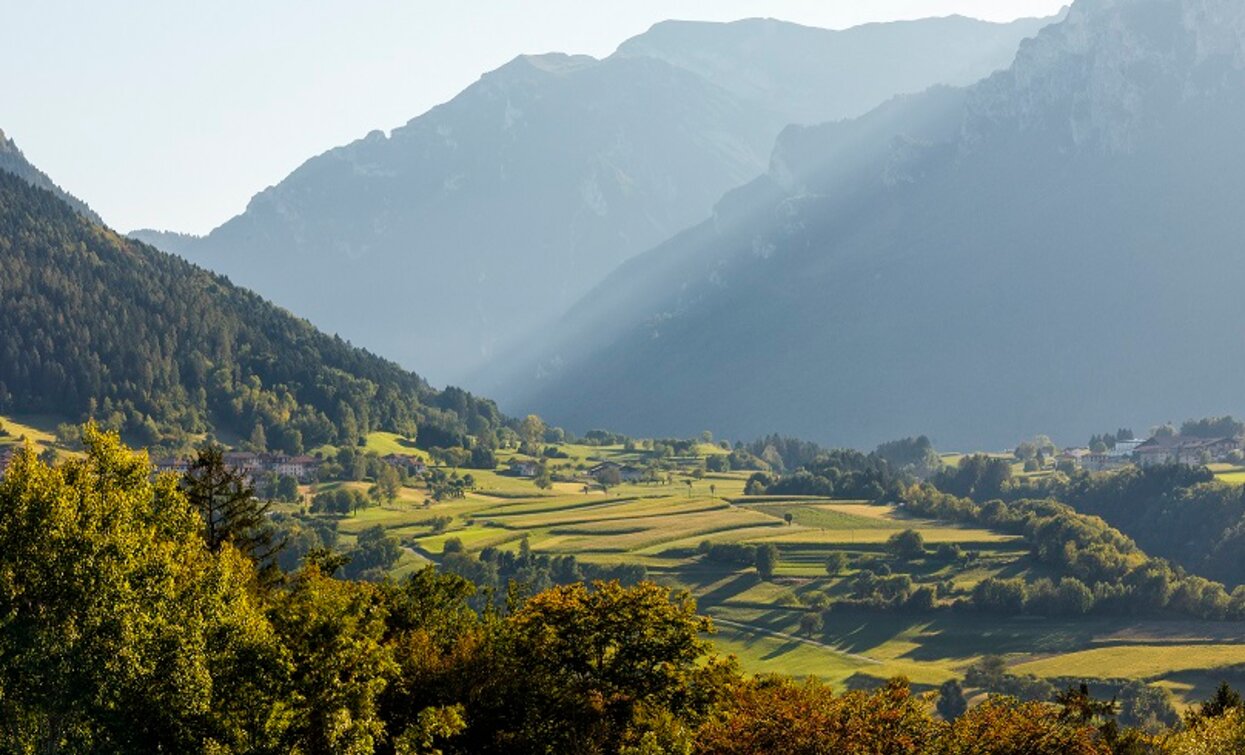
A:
x: 1055, y: 248
x: 461, y: 234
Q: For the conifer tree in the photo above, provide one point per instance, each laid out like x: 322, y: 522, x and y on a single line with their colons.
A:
x: 231, y: 512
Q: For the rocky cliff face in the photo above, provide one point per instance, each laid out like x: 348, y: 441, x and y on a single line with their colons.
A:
x: 1113, y: 70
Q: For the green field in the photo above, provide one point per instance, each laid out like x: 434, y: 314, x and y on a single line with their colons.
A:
x: 38, y: 430
x: 661, y: 525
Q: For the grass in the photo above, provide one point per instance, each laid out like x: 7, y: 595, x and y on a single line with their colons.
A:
x: 1147, y: 661
x: 37, y: 429
x: 661, y: 525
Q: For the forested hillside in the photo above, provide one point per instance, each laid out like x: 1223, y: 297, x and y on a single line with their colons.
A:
x: 13, y: 161
x: 95, y: 324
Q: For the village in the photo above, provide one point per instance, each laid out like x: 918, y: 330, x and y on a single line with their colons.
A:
x: 1165, y: 446
x: 1161, y: 448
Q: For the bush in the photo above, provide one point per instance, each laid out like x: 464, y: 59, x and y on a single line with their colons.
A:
x: 906, y: 545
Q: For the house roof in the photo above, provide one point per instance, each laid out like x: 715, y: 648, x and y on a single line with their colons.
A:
x: 1161, y: 443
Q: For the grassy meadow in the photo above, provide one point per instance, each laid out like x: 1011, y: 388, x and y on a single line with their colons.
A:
x: 661, y: 524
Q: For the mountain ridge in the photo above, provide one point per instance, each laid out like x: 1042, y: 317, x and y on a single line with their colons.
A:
x: 519, y: 194
x: 96, y: 325
x: 14, y: 161
x: 895, y: 275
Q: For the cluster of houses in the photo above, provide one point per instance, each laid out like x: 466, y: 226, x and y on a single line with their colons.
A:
x: 301, y: 468
x: 602, y: 472
x: 1161, y: 449
x: 413, y: 465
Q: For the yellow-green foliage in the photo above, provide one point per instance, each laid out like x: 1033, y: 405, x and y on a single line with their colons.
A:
x: 1223, y: 734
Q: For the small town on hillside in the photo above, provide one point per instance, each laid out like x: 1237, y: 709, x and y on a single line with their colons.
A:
x: 1165, y: 446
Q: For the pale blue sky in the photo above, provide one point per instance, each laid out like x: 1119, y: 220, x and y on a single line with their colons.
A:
x: 172, y: 114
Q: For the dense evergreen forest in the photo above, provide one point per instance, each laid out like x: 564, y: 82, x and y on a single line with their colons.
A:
x: 95, y: 324
x: 125, y: 628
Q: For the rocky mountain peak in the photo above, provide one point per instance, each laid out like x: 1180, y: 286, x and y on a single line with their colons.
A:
x: 1101, y: 76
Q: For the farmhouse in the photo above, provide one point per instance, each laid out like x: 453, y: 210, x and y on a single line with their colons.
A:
x: 301, y: 468
x: 242, y: 461
x: 524, y: 468
x: 626, y: 472
x: 1074, y: 456
x: 1180, y: 449
x: 412, y: 464
x: 172, y: 464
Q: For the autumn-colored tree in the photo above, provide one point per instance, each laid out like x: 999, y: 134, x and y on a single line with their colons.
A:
x: 779, y: 715
x: 1223, y: 733
x: 1005, y: 725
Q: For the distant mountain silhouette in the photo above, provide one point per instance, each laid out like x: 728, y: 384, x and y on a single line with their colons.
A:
x: 1057, y: 248
x: 458, y: 235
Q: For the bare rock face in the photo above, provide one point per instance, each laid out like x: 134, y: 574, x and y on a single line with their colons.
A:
x: 1112, y: 70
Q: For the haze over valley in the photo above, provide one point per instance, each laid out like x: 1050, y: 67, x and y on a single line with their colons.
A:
x: 751, y: 388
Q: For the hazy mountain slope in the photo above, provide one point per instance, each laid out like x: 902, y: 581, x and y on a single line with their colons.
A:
x: 95, y: 324
x: 458, y: 235
x: 815, y: 75
x: 1056, y: 248
x: 13, y: 161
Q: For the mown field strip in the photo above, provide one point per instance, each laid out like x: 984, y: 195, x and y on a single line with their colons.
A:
x: 546, y: 506
x: 1142, y: 661
x: 608, y: 515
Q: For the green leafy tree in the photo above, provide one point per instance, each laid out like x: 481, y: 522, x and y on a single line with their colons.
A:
x: 590, y: 662
x: 951, y: 701
x: 766, y: 560
x: 388, y: 482
x: 836, y: 562
x: 1224, y: 700
x: 334, y: 632
x: 532, y: 430
x: 122, y: 630
x: 259, y: 439
x: 906, y: 545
